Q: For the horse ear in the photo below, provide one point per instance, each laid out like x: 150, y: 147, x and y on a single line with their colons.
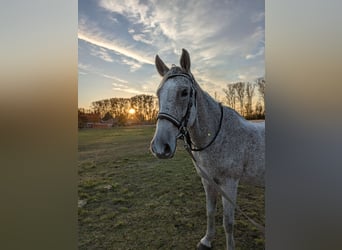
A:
x: 185, y: 60
x: 161, y: 67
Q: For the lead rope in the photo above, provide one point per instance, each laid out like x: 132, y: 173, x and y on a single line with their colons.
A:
x: 219, y: 189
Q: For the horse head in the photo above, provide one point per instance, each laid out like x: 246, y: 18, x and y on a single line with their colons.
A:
x: 177, y: 105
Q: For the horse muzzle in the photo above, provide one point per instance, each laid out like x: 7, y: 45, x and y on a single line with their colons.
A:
x: 162, y: 150
x: 164, y: 142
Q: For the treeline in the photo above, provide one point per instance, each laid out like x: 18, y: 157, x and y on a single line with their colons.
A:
x: 141, y: 108
x: 242, y: 97
x: 245, y: 97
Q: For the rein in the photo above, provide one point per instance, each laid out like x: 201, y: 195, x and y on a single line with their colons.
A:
x: 189, y: 145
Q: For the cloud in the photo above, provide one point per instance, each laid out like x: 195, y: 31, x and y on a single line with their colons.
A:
x: 124, y: 88
x: 90, y: 69
x: 130, y: 8
x: 168, y: 26
x: 83, y: 66
x: 218, y: 34
x: 242, y: 77
x: 134, y: 65
x: 141, y: 38
x: 101, y: 53
x: 258, y: 17
x: 92, y: 34
x: 167, y: 22
x: 100, y: 41
x: 115, y: 20
x: 259, y: 53
x: 114, y: 78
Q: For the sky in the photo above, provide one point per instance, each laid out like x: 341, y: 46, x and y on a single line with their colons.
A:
x: 119, y: 39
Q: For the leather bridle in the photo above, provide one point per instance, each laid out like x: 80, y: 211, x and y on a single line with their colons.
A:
x: 183, y: 123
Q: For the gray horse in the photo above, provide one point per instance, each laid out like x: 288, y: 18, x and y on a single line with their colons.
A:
x: 222, y: 142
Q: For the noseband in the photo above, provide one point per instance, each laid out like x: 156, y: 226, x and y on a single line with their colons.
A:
x: 182, y: 124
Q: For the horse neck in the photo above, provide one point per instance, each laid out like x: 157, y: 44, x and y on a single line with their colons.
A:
x: 207, y: 121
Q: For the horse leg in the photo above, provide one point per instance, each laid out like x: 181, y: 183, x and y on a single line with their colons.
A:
x: 211, y: 198
x: 230, y: 188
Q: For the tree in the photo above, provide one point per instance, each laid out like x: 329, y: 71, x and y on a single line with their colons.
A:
x: 258, y: 109
x: 107, y: 116
x: 240, y: 92
x: 261, y: 88
x: 145, y: 106
x: 100, y: 107
x: 114, y: 107
x: 230, y: 95
x: 249, y: 90
x: 244, y: 92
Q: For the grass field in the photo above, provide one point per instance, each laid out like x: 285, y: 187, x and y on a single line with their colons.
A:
x: 131, y: 200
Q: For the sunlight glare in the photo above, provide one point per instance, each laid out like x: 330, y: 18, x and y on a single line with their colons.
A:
x: 131, y: 111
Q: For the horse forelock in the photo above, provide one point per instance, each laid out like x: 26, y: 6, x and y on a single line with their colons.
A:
x: 173, y: 70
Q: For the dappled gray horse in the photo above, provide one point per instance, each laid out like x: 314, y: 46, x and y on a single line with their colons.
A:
x: 222, y: 142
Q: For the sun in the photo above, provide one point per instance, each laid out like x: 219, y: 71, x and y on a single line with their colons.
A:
x: 131, y: 111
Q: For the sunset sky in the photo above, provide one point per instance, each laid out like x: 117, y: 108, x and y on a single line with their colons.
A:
x: 118, y: 41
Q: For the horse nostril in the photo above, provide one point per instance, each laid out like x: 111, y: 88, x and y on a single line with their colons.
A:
x: 167, y: 149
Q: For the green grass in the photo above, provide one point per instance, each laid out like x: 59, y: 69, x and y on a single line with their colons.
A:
x: 135, y: 201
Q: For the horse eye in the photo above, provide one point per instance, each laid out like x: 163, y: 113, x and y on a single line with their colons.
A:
x: 184, y: 93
